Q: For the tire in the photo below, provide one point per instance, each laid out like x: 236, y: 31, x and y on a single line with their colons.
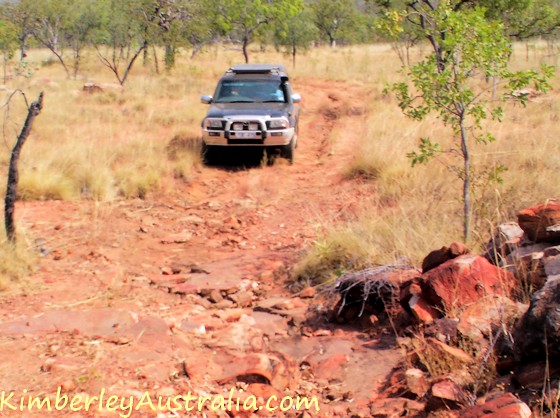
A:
x: 289, y: 150
x: 205, y: 152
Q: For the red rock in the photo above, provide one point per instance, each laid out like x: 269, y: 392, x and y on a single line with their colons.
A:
x: 463, y: 281
x: 308, y: 292
x: 417, y: 382
x: 180, y: 238
x: 243, y: 298
x: 480, y: 319
x: 331, y: 368
x: 448, y: 390
x: 395, y: 407
x: 541, y: 222
x: 506, y: 239
x: 454, y: 352
x: 185, y: 289
x: 261, y: 390
x: 215, y: 296
x: 422, y: 311
x: 168, y: 280
x: 279, y: 372
x: 505, y: 406
x: 438, y: 257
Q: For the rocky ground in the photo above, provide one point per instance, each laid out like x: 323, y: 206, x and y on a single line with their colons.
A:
x: 188, y: 291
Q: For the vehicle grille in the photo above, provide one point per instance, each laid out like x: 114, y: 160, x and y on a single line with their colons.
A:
x: 250, y: 125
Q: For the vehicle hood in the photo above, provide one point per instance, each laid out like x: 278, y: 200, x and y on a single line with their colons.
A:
x: 223, y: 110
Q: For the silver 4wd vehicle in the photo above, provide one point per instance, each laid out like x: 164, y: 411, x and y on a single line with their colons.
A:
x: 253, y: 105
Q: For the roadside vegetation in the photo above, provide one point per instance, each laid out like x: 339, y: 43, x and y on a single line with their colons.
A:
x: 137, y: 134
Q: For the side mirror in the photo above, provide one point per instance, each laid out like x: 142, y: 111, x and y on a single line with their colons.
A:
x: 206, y: 99
x: 296, y: 98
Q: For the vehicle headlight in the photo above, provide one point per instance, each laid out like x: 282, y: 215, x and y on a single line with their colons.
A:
x: 213, y: 124
x: 281, y: 123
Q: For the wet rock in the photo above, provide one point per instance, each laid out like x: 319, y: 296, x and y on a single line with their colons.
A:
x: 541, y: 222
x: 504, y: 406
x: 438, y: 257
x: 462, y: 281
x: 537, y: 334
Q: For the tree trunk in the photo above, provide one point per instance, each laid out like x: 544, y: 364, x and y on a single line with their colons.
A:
x: 466, y: 184
x: 13, y: 173
x: 156, y: 62
x: 294, y: 52
x: 245, y: 53
x: 169, y: 57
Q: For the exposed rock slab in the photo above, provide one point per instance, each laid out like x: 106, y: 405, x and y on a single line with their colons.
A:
x: 541, y: 222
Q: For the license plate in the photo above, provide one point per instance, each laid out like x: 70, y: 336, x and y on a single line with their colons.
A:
x: 246, y: 135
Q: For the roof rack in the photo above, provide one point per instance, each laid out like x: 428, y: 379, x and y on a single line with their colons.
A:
x: 258, y: 69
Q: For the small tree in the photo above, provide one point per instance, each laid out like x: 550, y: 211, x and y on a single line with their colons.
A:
x: 244, y: 18
x: 123, y: 35
x: 33, y: 111
x: 296, y: 34
x: 334, y: 18
x: 8, y: 43
x: 465, y: 46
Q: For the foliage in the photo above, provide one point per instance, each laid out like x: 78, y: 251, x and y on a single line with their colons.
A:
x: 296, y: 33
x: 335, y: 18
x: 465, y: 47
x: 8, y: 43
x: 243, y: 19
x: 124, y: 35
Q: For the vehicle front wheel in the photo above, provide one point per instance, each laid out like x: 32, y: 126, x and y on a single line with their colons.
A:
x: 205, y: 151
x: 289, y: 150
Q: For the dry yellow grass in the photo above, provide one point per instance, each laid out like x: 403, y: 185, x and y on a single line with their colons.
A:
x: 419, y: 209
x: 126, y: 143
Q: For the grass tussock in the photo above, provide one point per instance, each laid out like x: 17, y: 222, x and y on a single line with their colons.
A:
x: 16, y: 262
x: 418, y: 209
x: 132, y: 141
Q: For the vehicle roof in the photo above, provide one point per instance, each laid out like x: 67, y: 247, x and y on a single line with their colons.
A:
x: 262, y: 69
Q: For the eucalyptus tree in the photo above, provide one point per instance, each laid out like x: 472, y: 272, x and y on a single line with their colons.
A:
x: 242, y: 19
x: 334, y: 18
x: 296, y: 34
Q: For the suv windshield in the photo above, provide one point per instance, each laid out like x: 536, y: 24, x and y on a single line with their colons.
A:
x: 251, y: 91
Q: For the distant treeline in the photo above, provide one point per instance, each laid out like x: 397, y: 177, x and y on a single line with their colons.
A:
x: 123, y: 30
